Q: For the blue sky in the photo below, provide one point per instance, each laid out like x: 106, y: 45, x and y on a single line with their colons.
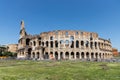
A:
x: 101, y: 16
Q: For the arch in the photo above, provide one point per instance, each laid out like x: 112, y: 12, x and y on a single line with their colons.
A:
x: 100, y: 55
x: 103, y: 56
x: 99, y: 44
x: 96, y: 55
x: 27, y: 41
x: 92, y: 55
x: 71, y: 38
x: 46, y: 56
x: 82, y: 55
x: 67, y: 55
x: 42, y: 43
x: 47, y: 44
x: 87, y: 55
x: 72, y: 55
x: 38, y: 55
x: 82, y: 43
x: 77, y: 55
x: 91, y: 45
x: 56, y: 43
x: 61, y: 41
x: 72, y: 44
x: 77, y: 44
x: 33, y: 54
x: 34, y: 43
x: 51, y: 38
x: 61, y: 55
x: 95, y: 45
x: 56, y: 55
x: 29, y: 53
x: 51, y: 44
x: 87, y: 44
x: 39, y: 43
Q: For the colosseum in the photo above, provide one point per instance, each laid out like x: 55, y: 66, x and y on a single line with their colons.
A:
x: 63, y: 45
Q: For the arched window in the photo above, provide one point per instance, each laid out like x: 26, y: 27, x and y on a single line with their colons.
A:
x: 42, y: 43
x: 51, y: 44
x: 82, y: 43
x: 56, y: 43
x: 91, y: 45
x: 61, y: 41
x: 87, y: 44
x: 39, y: 42
x: 27, y: 41
x: 34, y: 43
x: 39, y: 38
x: 71, y: 38
x: 95, y: 45
x: 46, y: 43
x: 51, y: 38
x: 77, y: 44
x: 66, y: 43
x: 72, y: 44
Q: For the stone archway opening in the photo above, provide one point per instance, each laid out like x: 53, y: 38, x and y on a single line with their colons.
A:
x: 92, y: 55
x: 33, y: 55
x: 46, y: 56
x: 67, y: 55
x: 82, y: 55
x: 38, y: 55
x: 100, y: 55
x: 56, y: 55
x: 72, y: 55
x: 96, y: 56
x: 61, y: 55
x: 29, y: 53
x: 87, y: 56
x: 77, y: 55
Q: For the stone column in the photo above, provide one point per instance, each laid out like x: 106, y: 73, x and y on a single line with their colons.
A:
x: 74, y: 44
x: 75, y: 55
x: 64, y: 55
x: 94, y: 55
x: 35, y: 55
x: 41, y: 55
x: 98, y: 57
x: 85, y: 55
x: 31, y: 55
x: 69, y: 56
x: 90, y: 56
x: 53, y: 55
x: 80, y: 55
x: 58, y: 55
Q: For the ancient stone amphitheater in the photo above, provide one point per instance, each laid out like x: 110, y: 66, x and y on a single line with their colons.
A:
x: 63, y: 45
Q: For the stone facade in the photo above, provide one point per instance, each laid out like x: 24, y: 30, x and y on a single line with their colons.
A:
x: 63, y: 45
x: 115, y: 52
x: 12, y: 48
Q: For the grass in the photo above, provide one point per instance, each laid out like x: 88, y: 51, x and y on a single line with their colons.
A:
x: 58, y: 70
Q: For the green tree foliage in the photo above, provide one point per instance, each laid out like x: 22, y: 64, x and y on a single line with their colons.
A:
x: 8, y: 54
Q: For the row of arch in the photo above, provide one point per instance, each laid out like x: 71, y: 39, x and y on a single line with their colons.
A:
x: 72, y: 44
x: 69, y: 55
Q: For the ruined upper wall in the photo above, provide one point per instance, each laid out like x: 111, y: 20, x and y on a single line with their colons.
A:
x: 67, y: 33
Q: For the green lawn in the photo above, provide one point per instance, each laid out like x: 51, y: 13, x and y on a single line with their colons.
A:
x: 58, y: 70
